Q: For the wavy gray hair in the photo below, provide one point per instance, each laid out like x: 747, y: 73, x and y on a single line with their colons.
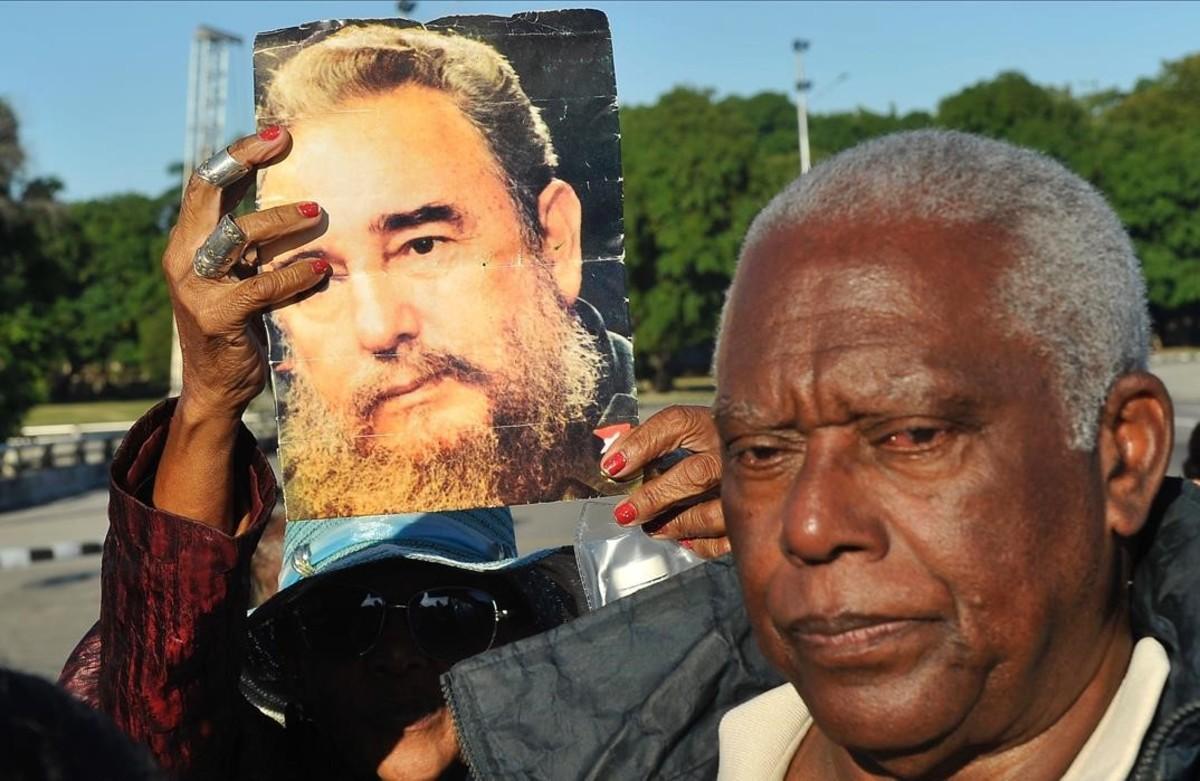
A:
x: 1075, y: 286
x: 365, y: 60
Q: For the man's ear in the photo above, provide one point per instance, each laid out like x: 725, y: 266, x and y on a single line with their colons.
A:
x: 1137, y: 432
x: 561, y: 217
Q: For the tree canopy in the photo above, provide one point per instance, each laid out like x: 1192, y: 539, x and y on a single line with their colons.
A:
x: 85, y: 309
x: 698, y: 168
x: 684, y: 212
x: 30, y: 281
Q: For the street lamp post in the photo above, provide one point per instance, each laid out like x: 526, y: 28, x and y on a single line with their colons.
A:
x: 802, y: 87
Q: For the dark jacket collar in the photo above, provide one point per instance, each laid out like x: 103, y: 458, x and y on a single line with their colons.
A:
x: 1166, y: 605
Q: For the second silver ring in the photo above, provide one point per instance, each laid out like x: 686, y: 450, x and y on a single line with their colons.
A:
x: 220, y: 250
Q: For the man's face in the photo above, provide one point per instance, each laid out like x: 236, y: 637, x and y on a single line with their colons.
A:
x: 439, y: 324
x: 919, y: 551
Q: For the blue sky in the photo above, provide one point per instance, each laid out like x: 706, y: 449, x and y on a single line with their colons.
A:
x: 100, y: 87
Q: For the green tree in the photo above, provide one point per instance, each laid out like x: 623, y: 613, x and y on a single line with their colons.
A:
x: 1146, y: 158
x: 776, y: 160
x: 688, y: 163
x: 832, y: 133
x: 1170, y: 100
x: 12, y: 157
x: 31, y: 280
x: 697, y: 170
x: 118, y: 322
x: 1012, y: 108
x: 1140, y: 149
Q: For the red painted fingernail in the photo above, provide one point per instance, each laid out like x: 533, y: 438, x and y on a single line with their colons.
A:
x: 309, y: 209
x: 686, y: 543
x: 613, y: 464
x: 269, y: 133
x: 319, y: 266
x: 625, y: 513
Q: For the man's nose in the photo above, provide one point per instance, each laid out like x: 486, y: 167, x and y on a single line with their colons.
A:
x: 395, y: 653
x: 827, y: 512
x: 384, y: 315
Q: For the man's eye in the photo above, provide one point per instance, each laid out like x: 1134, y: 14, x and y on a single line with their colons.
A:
x: 915, y: 439
x: 423, y: 245
x: 757, y: 456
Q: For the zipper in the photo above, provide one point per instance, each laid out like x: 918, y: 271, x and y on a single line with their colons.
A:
x: 463, y: 750
x: 1142, y: 772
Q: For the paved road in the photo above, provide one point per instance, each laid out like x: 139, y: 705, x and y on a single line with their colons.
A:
x: 46, y: 607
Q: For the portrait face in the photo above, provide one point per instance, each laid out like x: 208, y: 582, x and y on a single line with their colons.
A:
x: 919, y: 551
x: 418, y: 217
x: 453, y: 359
x: 434, y: 296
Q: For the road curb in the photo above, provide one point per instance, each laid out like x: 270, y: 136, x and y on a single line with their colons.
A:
x: 16, y: 558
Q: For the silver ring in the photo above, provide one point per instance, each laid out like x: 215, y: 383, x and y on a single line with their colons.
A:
x: 219, y: 251
x: 222, y: 169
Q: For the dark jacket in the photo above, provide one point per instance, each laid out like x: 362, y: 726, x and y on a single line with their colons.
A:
x: 636, y: 690
x: 1166, y: 606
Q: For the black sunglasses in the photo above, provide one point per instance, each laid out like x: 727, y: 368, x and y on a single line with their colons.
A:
x: 449, y: 624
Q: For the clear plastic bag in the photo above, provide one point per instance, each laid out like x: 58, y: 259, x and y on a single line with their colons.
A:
x: 615, y: 561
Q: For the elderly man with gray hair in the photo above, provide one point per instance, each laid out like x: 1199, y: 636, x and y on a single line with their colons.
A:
x: 939, y: 469
x: 943, y: 479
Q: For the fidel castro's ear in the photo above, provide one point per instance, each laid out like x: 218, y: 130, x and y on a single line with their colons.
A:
x: 561, y: 216
x: 1137, y: 432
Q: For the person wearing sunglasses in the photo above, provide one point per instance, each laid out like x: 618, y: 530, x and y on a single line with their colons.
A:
x: 347, y: 656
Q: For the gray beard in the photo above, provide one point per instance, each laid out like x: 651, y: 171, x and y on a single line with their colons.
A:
x: 537, y: 439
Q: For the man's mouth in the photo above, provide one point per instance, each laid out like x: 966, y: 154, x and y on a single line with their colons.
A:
x: 403, y: 394
x: 853, y: 639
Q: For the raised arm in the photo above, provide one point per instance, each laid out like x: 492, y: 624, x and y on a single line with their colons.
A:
x: 221, y: 336
x: 191, y: 493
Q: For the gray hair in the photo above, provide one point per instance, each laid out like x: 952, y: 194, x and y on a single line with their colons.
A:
x: 365, y: 60
x: 1075, y: 285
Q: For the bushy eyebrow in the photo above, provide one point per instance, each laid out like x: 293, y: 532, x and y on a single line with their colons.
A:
x: 430, y: 213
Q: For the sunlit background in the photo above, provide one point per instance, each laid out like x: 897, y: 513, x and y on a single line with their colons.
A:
x: 93, y: 132
x: 94, y: 138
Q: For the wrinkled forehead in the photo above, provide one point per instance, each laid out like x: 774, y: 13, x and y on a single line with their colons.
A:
x: 943, y: 251
x: 820, y: 285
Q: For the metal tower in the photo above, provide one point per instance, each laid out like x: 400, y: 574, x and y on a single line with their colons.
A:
x: 208, y: 96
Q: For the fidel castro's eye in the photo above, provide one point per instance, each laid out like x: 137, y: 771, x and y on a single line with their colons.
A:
x: 423, y: 245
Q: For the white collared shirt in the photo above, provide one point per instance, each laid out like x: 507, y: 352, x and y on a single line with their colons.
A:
x: 758, y: 738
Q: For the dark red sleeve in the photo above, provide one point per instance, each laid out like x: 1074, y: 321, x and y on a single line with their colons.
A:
x: 163, y: 661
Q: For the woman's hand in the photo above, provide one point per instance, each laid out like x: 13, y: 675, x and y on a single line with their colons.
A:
x: 220, y: 332
x: 221, y: 336
x: 683, y: 502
